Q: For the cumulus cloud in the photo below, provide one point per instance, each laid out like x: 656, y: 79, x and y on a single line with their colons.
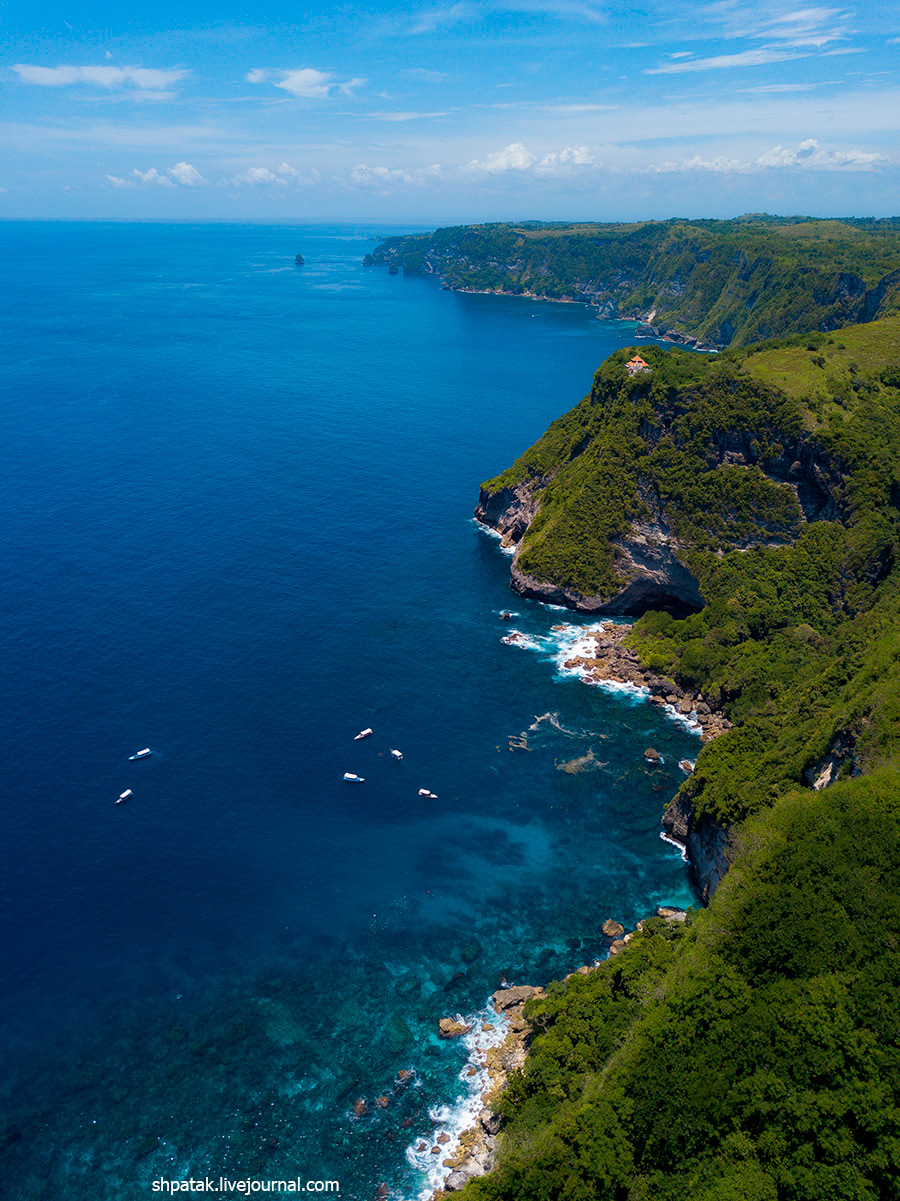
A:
x: 305, y: 83
x: 283, y: 176
x: 182, y: 174
x: 809, y: 155
x: 517, y: 158
x: 187, y: 176
x: 386, y: 177
x: 571, y: 156
x: 152, y: 178
x: 511, y: 158
x: 103, y: 77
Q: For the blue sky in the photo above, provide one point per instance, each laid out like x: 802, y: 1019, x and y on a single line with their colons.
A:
x: 459, y: 110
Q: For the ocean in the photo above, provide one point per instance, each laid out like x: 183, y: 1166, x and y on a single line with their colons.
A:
x: 238, y: 530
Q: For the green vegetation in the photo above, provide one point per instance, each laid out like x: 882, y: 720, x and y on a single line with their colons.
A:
x: 755, y: 1053
x: 723, y: 282
x: 751, y: 1056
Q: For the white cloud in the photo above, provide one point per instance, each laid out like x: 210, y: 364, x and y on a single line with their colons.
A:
x: 152, y: 178
x: 283, y: 176
x: 807, y: 156
x: 187, y: 176
x: 305, y: 83
x: 517, y: 157
x: 104, y: 77
x: 813, y: 25
x: 385, y: 177
x: 720, y: 62
x: 182, y: 174
x: 511, y: 158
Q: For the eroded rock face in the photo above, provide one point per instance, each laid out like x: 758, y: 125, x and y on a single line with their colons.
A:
x: 510, y: 511
x: 708, y: 845
x: 840, y: 754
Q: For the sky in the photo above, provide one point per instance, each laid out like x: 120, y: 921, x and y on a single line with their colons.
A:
x: 446, y: 112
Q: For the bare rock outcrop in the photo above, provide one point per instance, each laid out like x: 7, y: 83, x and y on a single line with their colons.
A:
x: 708, y: 845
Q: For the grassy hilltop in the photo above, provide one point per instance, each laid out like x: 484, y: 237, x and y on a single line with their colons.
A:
x: 753, y: 1055
x: 720, y: 282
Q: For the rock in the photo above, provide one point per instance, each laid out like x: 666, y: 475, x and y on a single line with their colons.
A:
x: 505, y: 998
x: 471, y: 951
x: 613, y: 929
x: 617, y: 946
x: 671, y: 915
x: 516, y: 1022
x: 404, y: 1075
x: 709, y: 846
x: 651, y: 755
x: 420, y: 1147
x: 382, y: 1102
x: 381, y: 1191
x: 490, y: 1121
x: 486, y: 1027
x: 435, y: 1150
x: 473, y: 1071
x: 685, y: 706
x: 450, y: 1028
x: 444, y: 1138
x: 360, y: 1107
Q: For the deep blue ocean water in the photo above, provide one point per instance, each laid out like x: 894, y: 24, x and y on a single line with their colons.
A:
x: 237, y: 529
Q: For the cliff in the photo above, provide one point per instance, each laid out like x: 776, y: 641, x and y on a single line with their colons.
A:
x: 744, y: 509
x: 707, y: 283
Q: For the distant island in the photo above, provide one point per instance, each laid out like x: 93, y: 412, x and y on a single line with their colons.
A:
x: 744, y: 508
x: 706, y: 283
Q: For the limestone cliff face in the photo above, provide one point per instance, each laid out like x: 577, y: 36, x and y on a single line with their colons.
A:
x: 650, y: 558
x: 707, y: 844
x: 510, y: 511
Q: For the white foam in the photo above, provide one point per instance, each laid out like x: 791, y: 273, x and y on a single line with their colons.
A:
x: 462, y: 1113
x: 681, y: 848
x: 517, y: 638
x: 688, y: 720
x: 492, y: 533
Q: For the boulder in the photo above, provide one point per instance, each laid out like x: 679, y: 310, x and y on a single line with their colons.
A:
x: 505, y: 998
x: 613, y: 929
x: 451, y: 1028
x: 490, y: 1121
x: 651, y: 755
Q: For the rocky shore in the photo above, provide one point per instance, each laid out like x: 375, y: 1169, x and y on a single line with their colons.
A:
x: 612, y: 660
x: 476, y: 1150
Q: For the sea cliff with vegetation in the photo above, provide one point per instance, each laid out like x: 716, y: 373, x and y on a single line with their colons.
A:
x: 745, y: 509
x: 707, y: 283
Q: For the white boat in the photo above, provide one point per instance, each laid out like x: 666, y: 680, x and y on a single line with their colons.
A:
x: 141, y: 754
x: 397, y: 754
x: 366, y: 733
x: 353, y: 778
x: 432, y: 796
x: 124, y: 796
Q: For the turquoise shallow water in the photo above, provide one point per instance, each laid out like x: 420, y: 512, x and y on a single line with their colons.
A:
x: 240, y: 530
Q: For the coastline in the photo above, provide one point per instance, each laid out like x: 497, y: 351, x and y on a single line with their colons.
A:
x: 644, y: 328
x: 475, y: 1150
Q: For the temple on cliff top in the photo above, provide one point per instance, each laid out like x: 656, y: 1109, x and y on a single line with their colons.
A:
x: 633, y: 366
